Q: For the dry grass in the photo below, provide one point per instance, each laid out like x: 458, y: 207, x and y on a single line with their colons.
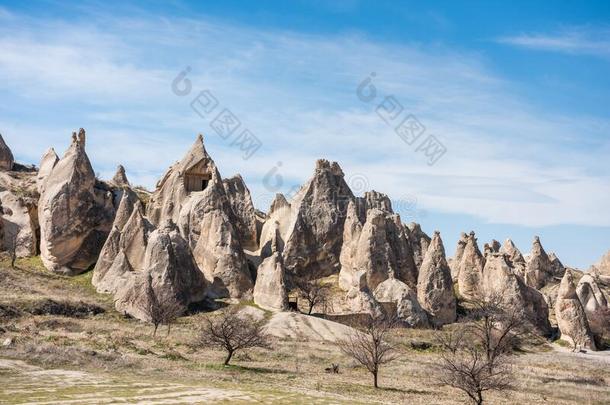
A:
x: 110, y: 346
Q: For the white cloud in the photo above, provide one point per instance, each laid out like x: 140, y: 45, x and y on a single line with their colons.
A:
x: 508, y: 161
x: 577, y: 41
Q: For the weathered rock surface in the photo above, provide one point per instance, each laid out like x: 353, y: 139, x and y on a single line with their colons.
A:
x: 454, y: 263
x: 241, y: 203
x: 270, y: 288
x: 315, y: 231
x: 571, y: 316
x: 168, y: 274
x: 603, y: 266
x: 514, y: 258
x: 557, y: 268
x: 470, y: 269
x: 500, y: 278
x: 120, y: 177
x: 192, y: 194
x: 538, y: 270
x: 594, y: 303
x: 419, y: 242
x: 47, y: 164
x: 19, y: 224
x: 6, y: 156
x: 435, y: 286
x: 408, y: 309
x: 381, y: 250
x: 75, y: 213
x: 350, y: 274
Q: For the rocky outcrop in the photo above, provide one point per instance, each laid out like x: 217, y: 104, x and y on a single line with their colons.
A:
x: 75, y: 213
x: 168, y: 275
x: 350, y: 274
x: 380, y: 248
x: 192, y: 194
x: 594, y: 303
x: 6, y: 156
x: 419, y: 242
x: 538, y: 270
x: 557, y: 268
x: 243, y: 208
x: 454, y: 263
x: 408, y: 309
x: 603, y: 266
x: 276, y: 226
x: 120, y: 177
x: 571, y: 316
x: 314, y: 235
x: 125, y: 247
x: 435, y: 286
x: 514, y: 258
x: 270, y: 288
x: 19, y: 224
x: 470, y: 270
x: 501, y: 280
x: 47, y: 164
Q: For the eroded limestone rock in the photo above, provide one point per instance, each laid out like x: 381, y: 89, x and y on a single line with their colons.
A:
x: 594, y: 303
x: 408, y: 309
x: 538, y: 271
x: 241, y: 202
x: 470, y: 269
x: 571, y: 316
x: 6, y: 156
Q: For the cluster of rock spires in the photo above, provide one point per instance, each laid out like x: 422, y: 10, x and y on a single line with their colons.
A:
x: 200, y: 237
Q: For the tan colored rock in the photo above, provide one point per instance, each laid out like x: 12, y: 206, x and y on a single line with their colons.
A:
x: 315, y: 231
x: 435, y: 286
x: 47, y: 164
x: 270, y: 288
x: 278, y: 220
x: 350, y: 275
x: 557, y: 268
x: 514, y: 257
x: 169, y: 271
x: 408, y: 309
x: 594, y: 302
x: 470, y: 270
x: 361, y: 301
x: 603, y: 266
x: 19, y: 224
x: 75, y: 213
x: 192, y: 194
x: 419, y: 242
x: 454, y: 264
x: 6, y: 156
x: 120, y: 177
x: 500, y: 278
x: 241, y: 202
x: 570, y: 314
x: 538, y: 271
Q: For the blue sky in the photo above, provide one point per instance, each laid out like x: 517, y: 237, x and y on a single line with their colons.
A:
x: 517, y: 93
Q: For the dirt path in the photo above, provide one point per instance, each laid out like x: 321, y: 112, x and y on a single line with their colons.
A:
x: 26, y: 384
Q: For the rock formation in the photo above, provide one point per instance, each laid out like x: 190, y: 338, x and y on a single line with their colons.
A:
x: 270, y: 288
x: 6, y: 156
x: 514, y: 258
x: 571, y: 316
x: 168, y: 274
x: 192, y: 194
x: 120, y: 177
x: 435, y: 286
x: 314, y: 234
x: 408, y: 309
x: 594, y: 303
x: 500, y: 279
x: 457, y: 257
x: 381, y: 249
x: 470, y: 269
x: 47, y: 164
x: 557, y: 268
x: 241, y: 203
x: 603, y: 266
x: 538, y: 271
x: 419, y: 242
x: 19, y: 224
x: 75, y: 213
x: 350, y: 273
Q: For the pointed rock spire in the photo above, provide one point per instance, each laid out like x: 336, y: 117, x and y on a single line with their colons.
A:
x: 120, y: 177
x: 538, y: 271
x: 514, y: 257
x: 419, y: 242
x: 471, y: 269
x: 6, y: 156
x: 457, y: 257
x: 47, y: 164
x: 434, y: 284
x: 571, y: 316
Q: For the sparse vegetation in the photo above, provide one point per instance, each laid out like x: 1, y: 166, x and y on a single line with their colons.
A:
x: 315, y: 293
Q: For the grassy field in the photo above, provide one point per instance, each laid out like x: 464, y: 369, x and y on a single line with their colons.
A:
x: 107, y: 358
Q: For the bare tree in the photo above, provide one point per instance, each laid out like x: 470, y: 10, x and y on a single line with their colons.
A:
x: 314, y: 292
x: 161, y: 311
x: 476, y: 356
x: 369, y: 346
x: 233, y: 333
x: 12, y: 247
